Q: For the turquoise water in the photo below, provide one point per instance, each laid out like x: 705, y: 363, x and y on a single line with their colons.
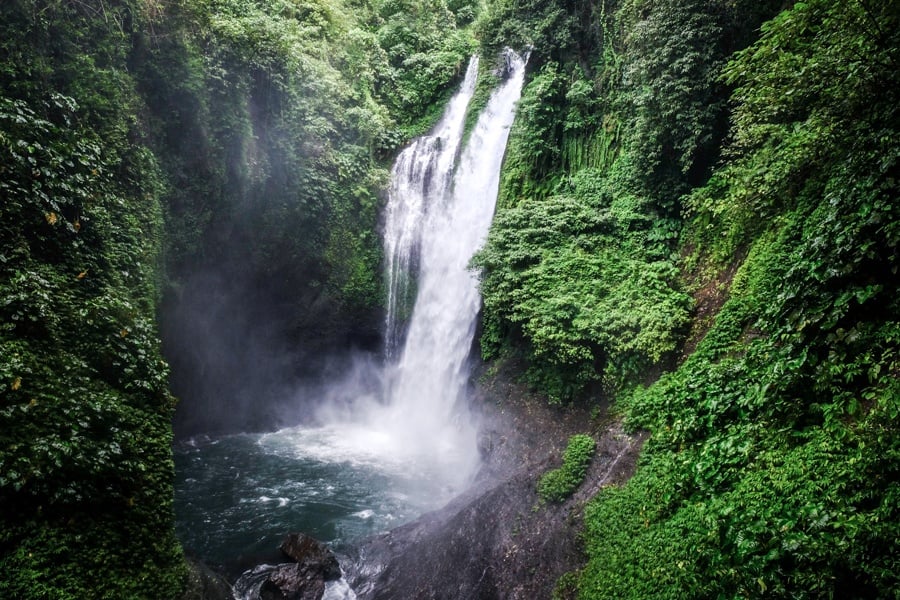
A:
x: 236, y: 496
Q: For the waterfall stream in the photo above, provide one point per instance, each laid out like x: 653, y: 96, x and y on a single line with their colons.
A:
x: 420, y: 178
x: 426, y: 389
x: 376, y: 457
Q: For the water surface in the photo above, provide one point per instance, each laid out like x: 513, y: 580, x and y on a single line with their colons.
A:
x: 236, y: 496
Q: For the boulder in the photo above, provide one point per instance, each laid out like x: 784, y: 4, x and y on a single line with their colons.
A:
x: 312, y: 554
x: 292, y: 582
x: 303, y: 579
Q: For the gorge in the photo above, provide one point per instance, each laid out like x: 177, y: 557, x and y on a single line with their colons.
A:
x: 224, y: 315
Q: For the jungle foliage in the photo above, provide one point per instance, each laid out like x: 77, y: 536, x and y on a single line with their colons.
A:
x: 650, y: 162
x: 150, y: 152
x: 617, y: 122
x: 774, y: 459
x: 85, y: 411
x: 207, y: 155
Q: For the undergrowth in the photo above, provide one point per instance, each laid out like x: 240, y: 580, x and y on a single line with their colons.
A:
x: 558, y: 484
x: 773, y: 464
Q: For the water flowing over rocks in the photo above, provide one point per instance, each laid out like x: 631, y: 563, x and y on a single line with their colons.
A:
x: 421, y: 180
x: 499, y: 540
x: 439, y: 210
x: 305, y: 579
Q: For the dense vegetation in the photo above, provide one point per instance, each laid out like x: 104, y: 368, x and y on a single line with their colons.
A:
x: 199, y: 155
x: 558, y: 484
x: 623, y: 116
x: 698, y: 217
x: 731, y: 219
x: 85, y: 415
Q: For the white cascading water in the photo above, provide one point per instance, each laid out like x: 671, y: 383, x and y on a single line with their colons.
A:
x: 379, y: 457
x: 420, y: 178
x: 440, y: 208
x: 426, y: 391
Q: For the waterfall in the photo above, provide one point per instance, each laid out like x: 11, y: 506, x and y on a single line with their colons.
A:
x: 420, y: 178
x: 439, y: 210
x: 446, y: 214
x: 379, y: 457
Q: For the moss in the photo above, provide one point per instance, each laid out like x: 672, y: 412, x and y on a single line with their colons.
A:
x: 559, y: 484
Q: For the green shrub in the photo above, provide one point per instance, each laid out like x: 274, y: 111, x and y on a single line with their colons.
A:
x: 559, y: 484
x: 772, y: 464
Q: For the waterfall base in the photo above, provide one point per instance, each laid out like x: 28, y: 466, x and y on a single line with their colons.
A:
x: 498, y: 540
x: 238, y: 495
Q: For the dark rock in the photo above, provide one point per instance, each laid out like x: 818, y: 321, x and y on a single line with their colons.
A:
x: 301, y: 580
x: 205, y: 584
x: 312, y: 554
x: 498, y: 540
x: 292, y: 582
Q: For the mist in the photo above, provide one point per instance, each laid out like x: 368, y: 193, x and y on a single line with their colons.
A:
x: 272, y: 259
x: 243, y: 367
x: 241, y: 363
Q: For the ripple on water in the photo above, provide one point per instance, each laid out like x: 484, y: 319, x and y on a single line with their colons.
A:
x: 238, y: 495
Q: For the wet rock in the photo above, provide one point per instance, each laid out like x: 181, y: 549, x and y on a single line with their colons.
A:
x: 499, y: 540
x: 293, y: 582
x: 304, y: 579
x: 312, y: 554
x: 205, y: 584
